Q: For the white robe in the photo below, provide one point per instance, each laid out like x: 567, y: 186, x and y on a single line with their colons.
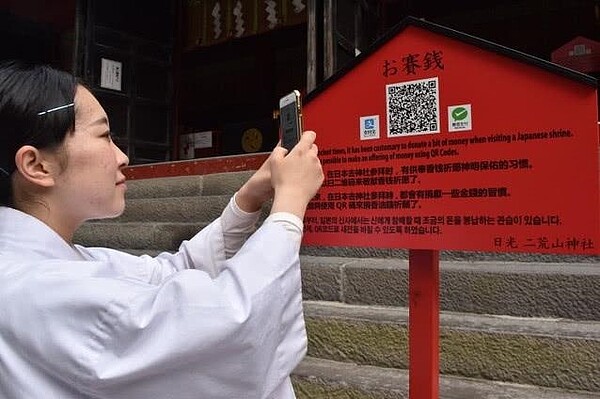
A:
x: 81, y: 322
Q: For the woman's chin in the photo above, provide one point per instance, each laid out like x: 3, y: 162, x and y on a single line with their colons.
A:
x: 114, y: 213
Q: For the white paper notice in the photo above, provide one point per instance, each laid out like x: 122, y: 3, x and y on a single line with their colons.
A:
x: 203, y: 139
x: 112, y: 73
x: 192, y: 141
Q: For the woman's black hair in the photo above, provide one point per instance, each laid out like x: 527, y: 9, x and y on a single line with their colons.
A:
x: 36, y: 108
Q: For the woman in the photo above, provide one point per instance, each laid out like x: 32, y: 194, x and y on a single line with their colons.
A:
x: 221, y: 318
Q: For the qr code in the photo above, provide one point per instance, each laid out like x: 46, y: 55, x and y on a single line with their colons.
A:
x: 413, y: 107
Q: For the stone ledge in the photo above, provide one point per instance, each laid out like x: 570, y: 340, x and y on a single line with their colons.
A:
x: 321, y: 379
x: 550, y: 353
x: 534, y: 289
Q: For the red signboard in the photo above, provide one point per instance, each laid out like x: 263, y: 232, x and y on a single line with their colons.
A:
x: 434, y: 142
x: 580, y: 54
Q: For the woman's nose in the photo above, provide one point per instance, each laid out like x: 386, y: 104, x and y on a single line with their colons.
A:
x: 122, y: 159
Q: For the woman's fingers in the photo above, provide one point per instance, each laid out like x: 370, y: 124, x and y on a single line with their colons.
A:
x: 297, y: 176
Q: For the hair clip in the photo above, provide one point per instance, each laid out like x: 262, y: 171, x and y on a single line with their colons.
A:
x: 4, y: 172
x: 55, y: 109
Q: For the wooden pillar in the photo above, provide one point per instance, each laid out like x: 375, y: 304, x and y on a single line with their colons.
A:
x: 328, y: 38
x: 311, y: 46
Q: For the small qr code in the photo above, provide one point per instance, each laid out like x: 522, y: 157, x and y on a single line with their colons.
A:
x: 413, y: 107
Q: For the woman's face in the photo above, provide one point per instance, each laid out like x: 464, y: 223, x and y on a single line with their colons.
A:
x: 92, y: 184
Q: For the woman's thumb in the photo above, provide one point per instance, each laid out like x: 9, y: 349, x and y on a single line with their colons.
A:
x: 279, y: 153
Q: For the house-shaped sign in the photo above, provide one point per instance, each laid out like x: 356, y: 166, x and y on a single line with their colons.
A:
x: 434, y: 139
x: 580, y: 54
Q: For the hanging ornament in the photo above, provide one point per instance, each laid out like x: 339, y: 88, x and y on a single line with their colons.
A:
x: 271, y: 13
x: 238, y: 14
x: 299, y: 6
x: 216, y: 14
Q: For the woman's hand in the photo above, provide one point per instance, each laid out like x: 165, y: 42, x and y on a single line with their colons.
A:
x: 257, y: 190
x: 297, y: 177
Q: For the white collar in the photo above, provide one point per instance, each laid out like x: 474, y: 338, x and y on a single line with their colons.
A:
x: 23, y: 234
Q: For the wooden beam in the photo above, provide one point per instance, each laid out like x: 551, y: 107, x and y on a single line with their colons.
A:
x: 328, y: 38
x: 311, y: 46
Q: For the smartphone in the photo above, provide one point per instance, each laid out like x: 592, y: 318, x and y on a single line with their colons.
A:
x: 290, y: 119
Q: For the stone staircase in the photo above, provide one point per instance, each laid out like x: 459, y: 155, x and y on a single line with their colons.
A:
x: 512, y: 325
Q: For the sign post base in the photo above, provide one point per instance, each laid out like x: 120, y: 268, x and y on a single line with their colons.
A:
x: 424, y: 326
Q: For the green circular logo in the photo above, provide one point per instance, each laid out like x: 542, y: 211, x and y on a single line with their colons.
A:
x: 460, y: 113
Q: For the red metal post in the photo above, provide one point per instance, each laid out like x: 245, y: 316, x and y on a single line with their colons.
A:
x: 424, y: 323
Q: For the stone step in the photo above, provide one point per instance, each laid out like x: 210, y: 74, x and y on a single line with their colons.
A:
x: 157, y: 236
x: 570, y: 290
x: 187, y: 186
x: 177, y: 209
x: 323, y: 379
x: 174, y: 209
x: 553, y: 353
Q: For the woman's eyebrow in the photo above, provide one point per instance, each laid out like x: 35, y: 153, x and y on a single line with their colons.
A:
x: 101, y: 121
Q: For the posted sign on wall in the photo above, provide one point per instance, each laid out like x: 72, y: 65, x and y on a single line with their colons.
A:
x: 433, y: 142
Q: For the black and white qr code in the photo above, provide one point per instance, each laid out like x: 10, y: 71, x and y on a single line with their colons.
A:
x: 413, y: 107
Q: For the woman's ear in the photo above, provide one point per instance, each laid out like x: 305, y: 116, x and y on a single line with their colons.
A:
x: 37, y: 167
